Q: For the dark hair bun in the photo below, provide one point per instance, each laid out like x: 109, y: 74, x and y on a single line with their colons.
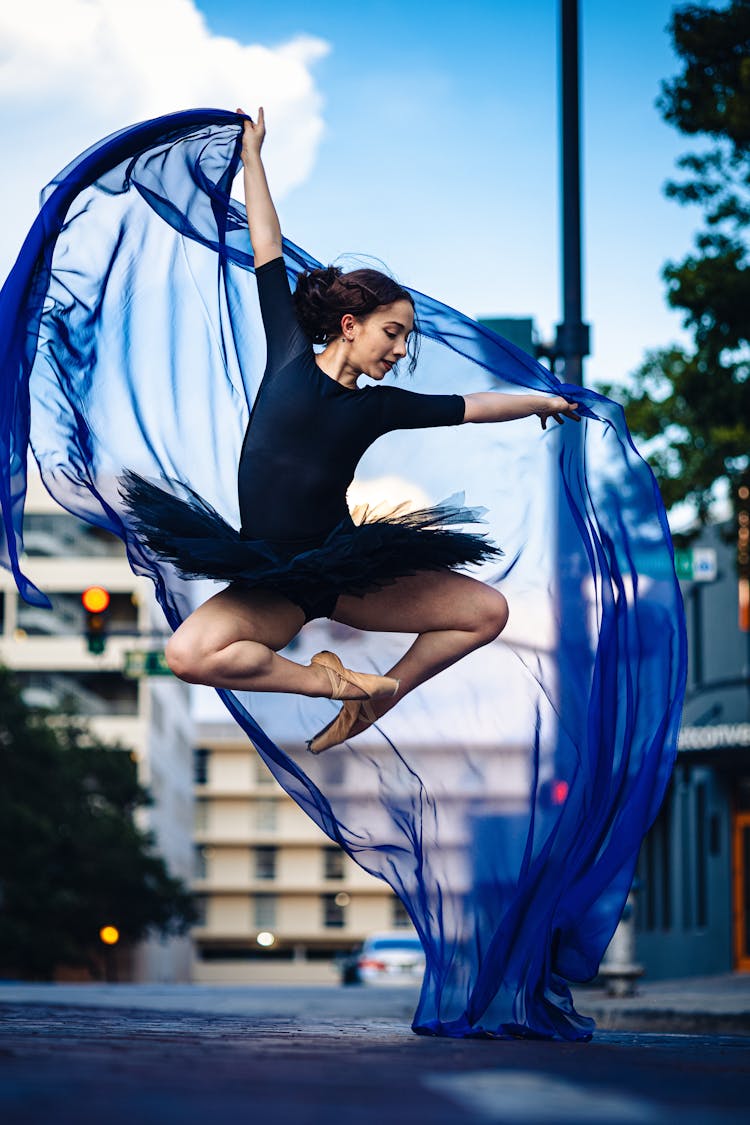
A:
x: 323, y: 296
x: 314, y: 302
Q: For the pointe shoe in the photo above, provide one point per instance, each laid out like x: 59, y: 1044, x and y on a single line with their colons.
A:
x: 338, y: 729
x: 353, y: 711
x: 371, y: 687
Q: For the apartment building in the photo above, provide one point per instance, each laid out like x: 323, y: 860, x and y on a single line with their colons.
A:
x: 278, y: 899
x: 149, y: 716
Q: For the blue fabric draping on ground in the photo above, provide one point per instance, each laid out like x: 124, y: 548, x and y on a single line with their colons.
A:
x: 505, y: 801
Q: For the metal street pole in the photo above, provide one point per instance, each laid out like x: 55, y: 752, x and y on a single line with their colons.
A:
x: 572, y: 342
x: 619, y: 968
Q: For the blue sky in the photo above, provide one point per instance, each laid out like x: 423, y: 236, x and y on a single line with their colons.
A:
x: 440, y: 155
x: 425, y: 135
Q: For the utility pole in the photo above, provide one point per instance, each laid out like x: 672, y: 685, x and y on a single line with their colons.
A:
x: 572, y: 342
x: 619, y: 967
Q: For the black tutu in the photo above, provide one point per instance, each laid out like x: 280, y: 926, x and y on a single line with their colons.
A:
x: 354, y: 558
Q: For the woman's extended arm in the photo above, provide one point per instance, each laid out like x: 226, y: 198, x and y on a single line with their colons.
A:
x: 265, y: 230
x: 491, y: 406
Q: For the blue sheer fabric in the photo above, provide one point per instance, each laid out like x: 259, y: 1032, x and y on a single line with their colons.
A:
x: 505, y: 800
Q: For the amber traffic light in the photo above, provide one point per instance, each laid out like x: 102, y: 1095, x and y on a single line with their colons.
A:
x: 96, y: 604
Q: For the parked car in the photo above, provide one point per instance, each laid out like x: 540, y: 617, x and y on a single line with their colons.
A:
x: 386, y: 958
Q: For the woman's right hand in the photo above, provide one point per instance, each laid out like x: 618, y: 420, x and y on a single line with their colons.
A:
x: 557, y: 408
x: 253, y: 135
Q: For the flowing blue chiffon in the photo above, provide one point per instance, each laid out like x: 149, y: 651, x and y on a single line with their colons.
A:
x: 505, y: 800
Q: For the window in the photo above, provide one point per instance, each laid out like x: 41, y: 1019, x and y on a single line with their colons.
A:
x: 334, y: 910
x: 50, y: 534
x: 264, y: 910
x: 701, y: 845
x: 333, y: 863
x: 66, y: 616
x: 201, y: 760
x: 265, y: 815
x: 333, y: 769
x: 200, y: 814
x: 263, y: 775
x: 200, y: 902
x: 655, y: 870
x: 265, y: 863
x: 200, y: 861
x: 157, y: 713
x: 399, y: 917
x: 93, y: 693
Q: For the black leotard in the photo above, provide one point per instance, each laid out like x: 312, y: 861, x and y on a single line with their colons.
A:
x: 307, y: 432
x: 304, y: 439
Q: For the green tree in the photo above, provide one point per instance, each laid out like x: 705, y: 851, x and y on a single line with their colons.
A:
x: 695, y: 402
x: 71, y: 856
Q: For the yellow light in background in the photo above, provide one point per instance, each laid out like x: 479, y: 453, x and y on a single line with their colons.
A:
x: 342, y: 899
x: 110, y: 935
x: 95, y: 599
x: 265, y: 938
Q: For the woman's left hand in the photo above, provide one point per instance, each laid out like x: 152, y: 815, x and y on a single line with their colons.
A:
x: 558, y: 408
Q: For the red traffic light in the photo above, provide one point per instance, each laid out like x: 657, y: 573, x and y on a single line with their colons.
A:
x: 95, y: 599
x: 559, y: 792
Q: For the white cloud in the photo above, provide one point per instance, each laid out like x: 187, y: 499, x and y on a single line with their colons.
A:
x: 72, y: 71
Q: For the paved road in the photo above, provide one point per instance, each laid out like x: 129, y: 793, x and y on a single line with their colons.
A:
x: 206, y: 1056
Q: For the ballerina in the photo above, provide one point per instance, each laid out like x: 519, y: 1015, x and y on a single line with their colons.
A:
x: 309, y: 427
x: 129, y: 339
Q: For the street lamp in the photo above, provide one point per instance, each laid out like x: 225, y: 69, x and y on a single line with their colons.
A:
x: 109, y: 936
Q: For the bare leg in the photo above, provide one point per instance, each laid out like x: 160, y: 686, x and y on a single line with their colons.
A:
x: 452, y: 613
x: 231, y: 640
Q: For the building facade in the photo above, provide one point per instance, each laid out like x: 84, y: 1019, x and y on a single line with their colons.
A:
x: 150, y: 717
x: 278, y: 899
x: 693, y: 886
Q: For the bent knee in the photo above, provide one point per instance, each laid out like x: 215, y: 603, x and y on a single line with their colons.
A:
x: 492, y: 615
x: 184, y: 658
x: 193, y: 658
x: 189, y: 656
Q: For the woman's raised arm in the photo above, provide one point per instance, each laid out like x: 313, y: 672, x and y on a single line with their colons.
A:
x: 492, y: 406
x: 265, y: 230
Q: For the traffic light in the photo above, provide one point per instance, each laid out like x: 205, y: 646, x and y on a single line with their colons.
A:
x: 96, y: 604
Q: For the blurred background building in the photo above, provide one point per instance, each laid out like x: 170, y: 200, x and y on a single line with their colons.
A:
x: 277, y: 899
x: 149, y: 716
x: 693, y: 898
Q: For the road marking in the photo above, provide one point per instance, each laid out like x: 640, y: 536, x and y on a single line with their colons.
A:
x: 528, y: 1096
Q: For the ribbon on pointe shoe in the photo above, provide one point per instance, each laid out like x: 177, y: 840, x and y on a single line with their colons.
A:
x: 371, y: 686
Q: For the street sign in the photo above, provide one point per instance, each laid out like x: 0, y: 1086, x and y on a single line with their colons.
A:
x: 150, y: 663
x: 696, y: 564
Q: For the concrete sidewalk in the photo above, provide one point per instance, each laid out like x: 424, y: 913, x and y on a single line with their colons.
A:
x: 707, y: 1005
x: 694, y: 1005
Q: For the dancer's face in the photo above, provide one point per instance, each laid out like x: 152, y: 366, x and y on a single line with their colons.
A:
x: 379, y: 340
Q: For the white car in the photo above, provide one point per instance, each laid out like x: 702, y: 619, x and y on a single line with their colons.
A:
x: 391, y: 958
